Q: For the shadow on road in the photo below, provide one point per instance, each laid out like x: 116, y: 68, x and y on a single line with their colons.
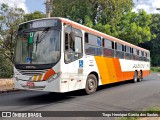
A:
x: 39, y: 98
x: 45, y: 98
x: 118, y: 84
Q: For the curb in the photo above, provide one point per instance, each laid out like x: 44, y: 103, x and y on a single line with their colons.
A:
x: 8, y: 91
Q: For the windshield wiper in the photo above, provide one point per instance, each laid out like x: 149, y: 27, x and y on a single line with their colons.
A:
x: 43, y: 34
x: 39, y: 39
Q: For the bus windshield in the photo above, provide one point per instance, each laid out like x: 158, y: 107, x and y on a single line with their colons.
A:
x: 38, y: 47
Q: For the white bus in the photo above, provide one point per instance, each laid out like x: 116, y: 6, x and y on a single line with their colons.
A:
x: 59, y: 55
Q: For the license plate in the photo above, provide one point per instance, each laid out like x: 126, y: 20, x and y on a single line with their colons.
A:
x: 30, y: 84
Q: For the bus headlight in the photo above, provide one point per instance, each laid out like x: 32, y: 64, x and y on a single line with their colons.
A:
x: 55, y: 76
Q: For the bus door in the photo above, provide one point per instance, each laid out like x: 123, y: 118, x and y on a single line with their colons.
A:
x: 73, y: 57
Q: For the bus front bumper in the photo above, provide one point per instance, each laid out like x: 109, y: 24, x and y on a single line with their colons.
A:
x: 53, y: 86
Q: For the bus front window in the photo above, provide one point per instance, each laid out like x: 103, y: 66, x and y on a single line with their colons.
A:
x: 38, y: 47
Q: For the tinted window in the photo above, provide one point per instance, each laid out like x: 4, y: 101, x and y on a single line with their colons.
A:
x: 108, y: 49
x: 93, y: 44
x: 119, y: 51
x: 119, y: 47
x: 107, y: 43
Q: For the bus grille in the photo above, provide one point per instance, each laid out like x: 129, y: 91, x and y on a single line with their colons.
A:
x: 32, y: 72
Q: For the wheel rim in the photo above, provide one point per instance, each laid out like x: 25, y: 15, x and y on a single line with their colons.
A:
x: 141, y: 76
x: 135, y: 77
x: 91, y: 84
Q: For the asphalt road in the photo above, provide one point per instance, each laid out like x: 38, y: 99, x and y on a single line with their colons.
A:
x: 116, y: 97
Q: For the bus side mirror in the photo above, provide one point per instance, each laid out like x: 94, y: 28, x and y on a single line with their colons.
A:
x: 73, y: 36
x: 72, y: 42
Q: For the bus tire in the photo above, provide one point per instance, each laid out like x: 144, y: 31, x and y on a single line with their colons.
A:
x: 91, y: 84
x: 140, y: 76
x: 135, y: 77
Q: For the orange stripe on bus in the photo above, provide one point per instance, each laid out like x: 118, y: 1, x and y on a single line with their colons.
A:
x: 101, y: 64
x: 48, y: 74
x: 40, y: 77
x: 35, y: 78
x: 145, y: 73
x: 118, y: 69
x: 110, y: 70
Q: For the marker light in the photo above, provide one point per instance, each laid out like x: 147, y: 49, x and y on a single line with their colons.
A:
x: 55, y: 76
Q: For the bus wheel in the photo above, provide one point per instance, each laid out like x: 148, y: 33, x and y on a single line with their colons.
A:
x: 91, y: 84
x: 135, y: 77
x: 140, y: 76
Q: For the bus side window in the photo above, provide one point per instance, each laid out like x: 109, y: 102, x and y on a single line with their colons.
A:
x: 128, y: 53
x: 119, y: 51
x: 123, y: 48
x: 73, y: 45
x: 112, y: 45
x: 66, y: 42
x: 78, y: 44
x: 115, y: 46
x: 93, y: 44
x: 86, y: 38
x: 108, y: 48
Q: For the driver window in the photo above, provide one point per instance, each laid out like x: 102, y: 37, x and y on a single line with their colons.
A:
x: 78, y: 44
x: 72, y: 47
x: 69, y: 44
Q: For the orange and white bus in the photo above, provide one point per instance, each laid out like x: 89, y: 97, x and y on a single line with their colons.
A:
x: 59, y: 55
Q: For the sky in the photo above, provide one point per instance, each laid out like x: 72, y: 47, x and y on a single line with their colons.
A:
x: 31, y: 5
x: 27, y: 5
x: 148, y: 5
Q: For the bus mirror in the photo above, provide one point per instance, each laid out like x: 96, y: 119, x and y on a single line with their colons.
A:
x: 30, y: 39
x: 72, y: 36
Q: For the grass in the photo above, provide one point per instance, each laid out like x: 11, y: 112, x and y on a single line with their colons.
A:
x: 149, y: 110
x: 154, y: 109
x: 129, y: 118
x: 155, y: 69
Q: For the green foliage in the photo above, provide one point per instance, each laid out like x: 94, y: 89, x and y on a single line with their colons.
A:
x: 88, y: 22
x: 99, y: 11
x: 155, y: 69
x: 153, y: 109
x: 128, y: 118
x: 155, y: 43
x: 75, y: 10
x: 134, y: 27
x: 6, y: 67
x: 149, y: 110
x: 113, y: 17
x: 34, y: 15
x: 10, y: 19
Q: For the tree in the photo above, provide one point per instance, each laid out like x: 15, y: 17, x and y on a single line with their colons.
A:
x: 6, y: 68
x: 10, y: 18
x: 34, y: 15
x: 154, y: 44
x: 134, y: 27
x: 113, y: 17
x: 75, y: 10
x: 99, y: 11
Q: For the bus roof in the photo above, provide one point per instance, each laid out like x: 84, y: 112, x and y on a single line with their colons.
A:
x: 92, y: 31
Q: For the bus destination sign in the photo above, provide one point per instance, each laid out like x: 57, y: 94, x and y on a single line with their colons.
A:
x: 39, y: 24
